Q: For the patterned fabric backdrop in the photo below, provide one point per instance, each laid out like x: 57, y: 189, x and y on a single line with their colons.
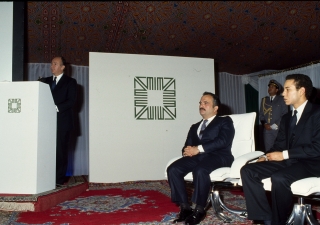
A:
x: 242, y: 36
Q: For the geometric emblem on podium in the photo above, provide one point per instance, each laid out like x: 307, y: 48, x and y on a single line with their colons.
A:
x: 14, y: 105
x: 155, y: 98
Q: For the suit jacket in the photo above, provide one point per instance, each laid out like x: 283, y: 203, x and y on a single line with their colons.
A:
x: 271, y: 112
x: 306, y: 137
x: 64, y: 96
x: 217, y: 137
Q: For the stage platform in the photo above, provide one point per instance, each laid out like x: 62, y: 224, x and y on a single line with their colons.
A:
x: 46, y: 200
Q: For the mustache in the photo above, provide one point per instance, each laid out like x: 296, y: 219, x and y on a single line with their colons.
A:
x: 201, y: 108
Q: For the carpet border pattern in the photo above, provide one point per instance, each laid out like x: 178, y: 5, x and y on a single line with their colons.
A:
x: 33, y: 198
x: 130, y: 185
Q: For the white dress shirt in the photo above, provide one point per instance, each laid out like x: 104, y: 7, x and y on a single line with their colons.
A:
x: 58, y: 78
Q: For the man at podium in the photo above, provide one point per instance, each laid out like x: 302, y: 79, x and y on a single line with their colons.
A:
x: 64, y: 92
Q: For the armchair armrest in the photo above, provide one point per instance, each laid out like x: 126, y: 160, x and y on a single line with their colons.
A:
x: 241, y: 161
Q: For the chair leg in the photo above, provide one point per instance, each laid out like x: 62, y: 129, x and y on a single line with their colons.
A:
x: 301, y: 212
x: 311, y: 220
x: 218, y: 205
x: 214, y: 198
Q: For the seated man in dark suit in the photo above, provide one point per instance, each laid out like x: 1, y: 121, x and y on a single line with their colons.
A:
x: 207, y: 147
x: 295, y: 155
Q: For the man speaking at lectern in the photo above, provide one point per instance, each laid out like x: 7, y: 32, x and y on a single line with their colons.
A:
x: 64, y: 92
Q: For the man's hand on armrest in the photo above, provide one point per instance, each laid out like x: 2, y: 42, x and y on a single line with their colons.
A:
x: 262, y: 158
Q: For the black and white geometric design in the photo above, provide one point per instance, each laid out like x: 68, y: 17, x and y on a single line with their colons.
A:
x: 144, y: 110
x: 14, y: 105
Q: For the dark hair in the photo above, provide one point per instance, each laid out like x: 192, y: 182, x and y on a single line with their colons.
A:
x: 64, y: 62
x: 302, y: 80
x: 216, y: 99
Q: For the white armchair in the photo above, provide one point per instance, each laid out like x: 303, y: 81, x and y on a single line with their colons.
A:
x: 243, y: 150
x: 304, y: 188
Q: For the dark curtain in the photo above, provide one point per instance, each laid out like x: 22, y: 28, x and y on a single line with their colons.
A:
x: 252, y: 105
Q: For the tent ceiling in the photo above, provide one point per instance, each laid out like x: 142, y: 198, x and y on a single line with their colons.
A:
x: 242, y: 36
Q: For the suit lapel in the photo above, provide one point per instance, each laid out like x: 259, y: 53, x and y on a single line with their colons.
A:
x: 50, y: 81
x: 302, y: 122
x: 268, y: 100
x: 276, y: 99
x: 60, y: 83
x: 211, y: 124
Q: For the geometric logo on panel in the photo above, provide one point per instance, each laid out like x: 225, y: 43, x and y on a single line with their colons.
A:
x: 14, y: 105
x: 155, y: 98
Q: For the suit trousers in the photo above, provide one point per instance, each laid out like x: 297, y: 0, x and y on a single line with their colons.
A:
x: 282, y: 174
x: 201, y: 166
x: 62, y: 156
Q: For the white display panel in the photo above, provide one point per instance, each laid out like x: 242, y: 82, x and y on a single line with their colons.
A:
x: 128, y: 141
x: 27, y: 137
x: 6, y: 36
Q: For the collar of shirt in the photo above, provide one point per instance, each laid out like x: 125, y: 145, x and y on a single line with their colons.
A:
x: 58, y: 77
x: 272, y: 97
x: 300, y: 110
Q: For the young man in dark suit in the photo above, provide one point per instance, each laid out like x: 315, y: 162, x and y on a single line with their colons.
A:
x: 295, y: 155
x: 207, y: 147
x: 64, y: 92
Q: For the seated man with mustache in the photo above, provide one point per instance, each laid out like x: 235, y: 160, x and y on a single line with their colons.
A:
x: 207, y: 147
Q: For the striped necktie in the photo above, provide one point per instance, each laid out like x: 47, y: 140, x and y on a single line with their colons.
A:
x: 202, y: 128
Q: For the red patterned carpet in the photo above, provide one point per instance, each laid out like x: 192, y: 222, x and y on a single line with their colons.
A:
x: 132, y: 203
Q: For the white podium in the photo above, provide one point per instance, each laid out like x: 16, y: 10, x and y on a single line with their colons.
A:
x: 27, y: 138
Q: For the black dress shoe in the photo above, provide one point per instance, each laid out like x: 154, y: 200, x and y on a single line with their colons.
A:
x: 196, y: 217
x: 183, y: 214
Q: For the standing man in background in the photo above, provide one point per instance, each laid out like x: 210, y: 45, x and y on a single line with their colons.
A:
x: 272, y: 109
x: 64, y: 92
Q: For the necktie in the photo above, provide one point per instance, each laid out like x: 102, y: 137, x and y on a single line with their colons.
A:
x: 53, y: 85
x: 293, y: 120
x: 202, y: 128
x: 271, y: 99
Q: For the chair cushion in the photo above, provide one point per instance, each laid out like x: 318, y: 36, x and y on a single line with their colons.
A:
x: 216, y: 175
x: 243, y: 125
x: 220, y: 174
x: 243, y: 141
x: 304, y: 187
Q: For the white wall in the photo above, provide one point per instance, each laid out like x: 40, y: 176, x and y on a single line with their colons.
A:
x: 6, y: 36
x: 123, y: 147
